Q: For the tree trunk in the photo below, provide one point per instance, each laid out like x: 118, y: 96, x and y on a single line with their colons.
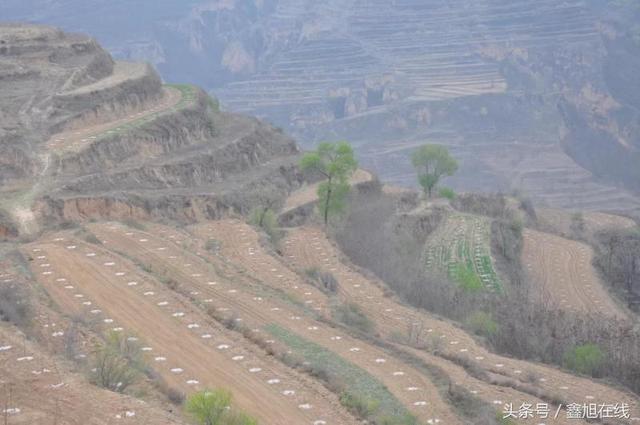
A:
x: 326, y: 203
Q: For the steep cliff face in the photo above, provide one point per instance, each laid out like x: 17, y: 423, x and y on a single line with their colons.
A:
x: 108, y: 140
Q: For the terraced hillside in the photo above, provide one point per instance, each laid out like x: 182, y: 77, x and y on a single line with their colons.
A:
x: 40, y: 377
x: 264, y: 294
x: 462, y: 246
x: 121, y: 144
x: 308, y: 247
x: 36, y: 388
x: 216, y: 289
x: 539, y: 98
x: 131, y: 203
x: 388, y: 76
x: 182, y: 343
x: 564, y: 276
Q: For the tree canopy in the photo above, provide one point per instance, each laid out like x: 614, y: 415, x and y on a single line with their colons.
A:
x: 336, y: 163
x: 432, y: 162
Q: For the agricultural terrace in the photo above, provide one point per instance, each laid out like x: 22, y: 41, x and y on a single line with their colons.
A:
x: 176, y: 98
x: 187, y: 95
x: 462, y: 247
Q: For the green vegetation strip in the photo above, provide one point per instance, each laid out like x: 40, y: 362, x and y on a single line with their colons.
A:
x: 358, y: 386
x: 462, y: 248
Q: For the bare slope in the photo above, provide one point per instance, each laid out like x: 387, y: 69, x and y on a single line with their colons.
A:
x: 37, y: 387
x: 562, y: 272
x: 257, y: 304
x: 190, y: 350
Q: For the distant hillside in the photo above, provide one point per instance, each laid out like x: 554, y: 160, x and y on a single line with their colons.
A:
x: 542, y: 98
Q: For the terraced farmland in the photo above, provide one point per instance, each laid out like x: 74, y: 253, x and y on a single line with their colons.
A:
x: 89, y: 280
x: 309, y: 247
x: 462, y: 247
x: 245, y: 283
x: 562, y: 274
x: 122, y: 284
x: 176, y: 97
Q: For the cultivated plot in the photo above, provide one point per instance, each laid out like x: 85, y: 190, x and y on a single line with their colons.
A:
x: 309, y: 247
x: 461, y: 247
x: 253, y: 288
x: 184, y: 345
x: 563, y: 275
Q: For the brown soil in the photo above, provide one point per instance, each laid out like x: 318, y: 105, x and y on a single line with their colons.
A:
x: 562, y: 272
x: 309, y: 247
x: 42, y: 390
x: 79, y: 138
x: 245, y: 282
x: 190, y: 351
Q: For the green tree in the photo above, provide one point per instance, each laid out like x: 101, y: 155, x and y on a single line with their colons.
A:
x: 336, y: 163
x: 432, y: 162
x: 213, y: 407
x: 265, y: 219
x: 586, y: 359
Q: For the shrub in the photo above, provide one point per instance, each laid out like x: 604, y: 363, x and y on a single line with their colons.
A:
x: 14, y: 305
x: 324, y: 280
x: 352, y: 316
x: 482, y: 323
x: 360, y: 406
x: 130, y: 222
x: 578, y: 226
x: 446, y: 192
x: 117, y: 364
x: 468, y: 280
x: 586, y: 359
x: 88, y: 236
x: 213, y: 407
x: 265, y: 219
x: 91, y: 238
x: 171, y: 283
x: 174, y: 395
x: 213, y: 246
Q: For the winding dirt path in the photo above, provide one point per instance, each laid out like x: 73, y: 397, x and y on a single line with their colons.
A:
x: 562, y: 272
x: 191, y: 351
